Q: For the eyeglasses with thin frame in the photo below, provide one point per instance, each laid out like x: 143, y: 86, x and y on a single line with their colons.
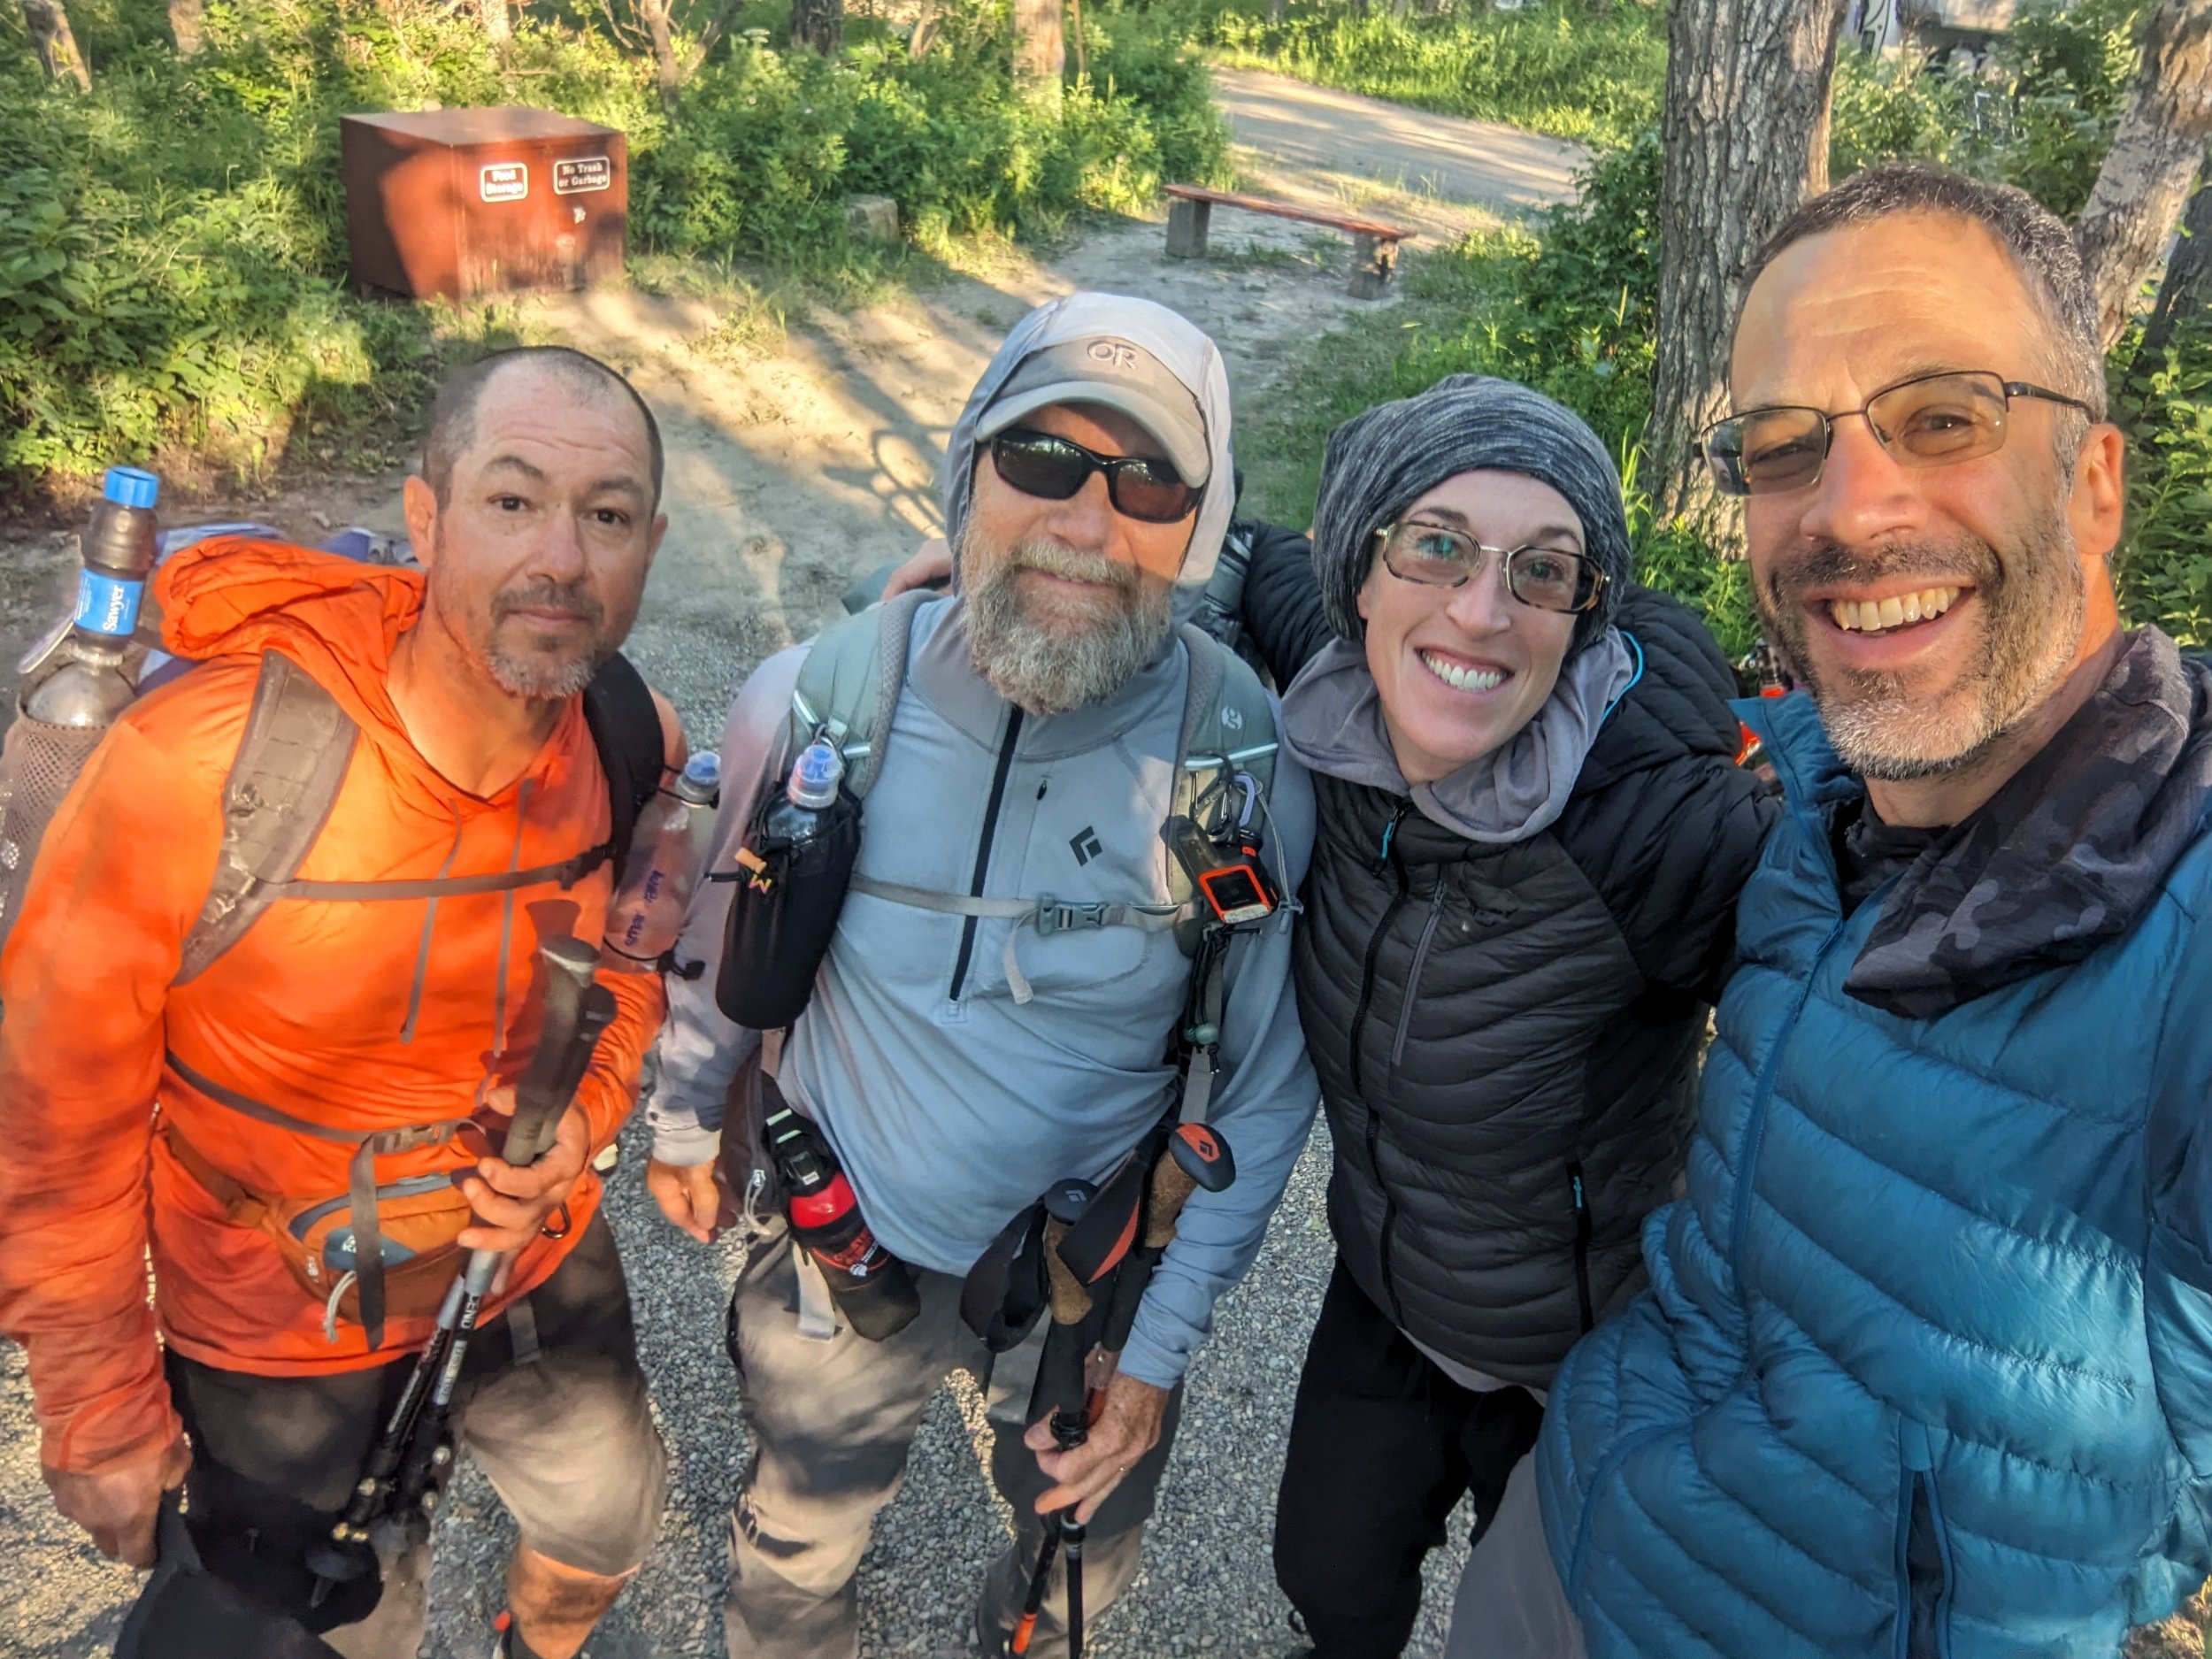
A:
x: 1437, y: 556
x: 1051, y: 468
x: 1929, y: 420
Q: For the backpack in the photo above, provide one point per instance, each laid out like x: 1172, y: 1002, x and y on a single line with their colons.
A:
x: 849, y: 688
x: 284, y: 780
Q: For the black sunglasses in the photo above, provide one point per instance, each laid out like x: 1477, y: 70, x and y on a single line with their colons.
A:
x: 1053, y: 469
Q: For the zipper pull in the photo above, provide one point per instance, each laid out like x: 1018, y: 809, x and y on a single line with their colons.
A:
x: 1390, y: 833
x: 755, y: 1185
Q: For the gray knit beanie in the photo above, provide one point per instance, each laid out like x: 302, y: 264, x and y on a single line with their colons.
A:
x: 1380, y: 462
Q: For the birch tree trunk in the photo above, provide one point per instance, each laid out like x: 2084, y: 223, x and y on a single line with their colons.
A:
x: 819, y: 25
x: 186, y: 17
x: 2144, y: 183
x: 1041, y: 57
x: 1746, y: 140
x: 2185, y: 294
x: 499, y: 26
x: 57, y: 42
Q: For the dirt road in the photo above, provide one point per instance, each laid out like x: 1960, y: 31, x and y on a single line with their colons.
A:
x: 790, y: 472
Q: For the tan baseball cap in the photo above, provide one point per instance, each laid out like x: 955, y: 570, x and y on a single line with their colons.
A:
x: 1115, y: 374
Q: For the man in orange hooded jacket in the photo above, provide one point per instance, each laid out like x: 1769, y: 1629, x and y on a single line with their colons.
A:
x: 536, y: 521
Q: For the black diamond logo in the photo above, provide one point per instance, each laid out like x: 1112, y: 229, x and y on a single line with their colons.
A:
x: 1084, y: 845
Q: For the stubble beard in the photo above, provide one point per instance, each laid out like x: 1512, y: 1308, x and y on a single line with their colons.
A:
x: 523, y: 663
x: 2031, y: 614
x: 1043, y: 657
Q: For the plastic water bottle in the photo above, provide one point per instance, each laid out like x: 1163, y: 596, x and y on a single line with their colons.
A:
x: 89, y: 683
x: 873, y: 1288
x: 815, y: 777
x: 662, y: 869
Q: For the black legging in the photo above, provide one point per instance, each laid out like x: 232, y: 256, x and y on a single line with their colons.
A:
x: 1382, y: 1446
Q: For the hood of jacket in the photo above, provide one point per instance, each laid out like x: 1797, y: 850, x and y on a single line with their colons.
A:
x: 2069, y: 852
x: 1185, y: 352
x: 335, y: 616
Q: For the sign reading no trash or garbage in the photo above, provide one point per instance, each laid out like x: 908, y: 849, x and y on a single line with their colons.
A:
x: 504, y: 181
x: 579, y: 173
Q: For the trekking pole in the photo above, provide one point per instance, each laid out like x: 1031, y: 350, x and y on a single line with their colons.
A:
x: 1195, y: 1158
x: 405, y: 1459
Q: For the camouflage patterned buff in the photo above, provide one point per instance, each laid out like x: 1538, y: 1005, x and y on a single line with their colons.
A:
x: 2065, y: 856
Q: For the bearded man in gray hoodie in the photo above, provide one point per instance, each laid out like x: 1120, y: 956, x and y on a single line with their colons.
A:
x: 959, y: 1064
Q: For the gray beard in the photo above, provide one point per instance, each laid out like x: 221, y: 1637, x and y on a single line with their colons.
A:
x: 1047, y: 666
x: 2033, y: 614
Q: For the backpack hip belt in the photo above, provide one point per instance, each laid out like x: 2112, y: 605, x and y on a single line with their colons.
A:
x: 292, y: 1223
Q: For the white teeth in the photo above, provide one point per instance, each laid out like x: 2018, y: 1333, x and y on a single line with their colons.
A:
x: 1463, y: 678
x: 1871, y: 615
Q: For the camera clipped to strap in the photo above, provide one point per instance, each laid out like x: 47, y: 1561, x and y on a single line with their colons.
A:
x: 1219, y: 845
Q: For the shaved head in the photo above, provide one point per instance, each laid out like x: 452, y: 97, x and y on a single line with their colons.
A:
x: 453, y: 416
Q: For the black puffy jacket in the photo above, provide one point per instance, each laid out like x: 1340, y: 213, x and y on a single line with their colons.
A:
x: 1507, y: 1036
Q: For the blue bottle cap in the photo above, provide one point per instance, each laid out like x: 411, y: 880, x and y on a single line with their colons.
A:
x: 129, y: 487
x: 704, y: 769
x: 815, y: 776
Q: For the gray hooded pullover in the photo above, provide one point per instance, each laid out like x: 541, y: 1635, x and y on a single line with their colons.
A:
x: 950, y: 1105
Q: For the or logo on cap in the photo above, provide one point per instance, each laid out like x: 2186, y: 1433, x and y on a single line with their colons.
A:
x: 1113, y: 354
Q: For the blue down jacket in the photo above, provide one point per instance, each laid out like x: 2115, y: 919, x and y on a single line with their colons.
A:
x: 1925, y: 1367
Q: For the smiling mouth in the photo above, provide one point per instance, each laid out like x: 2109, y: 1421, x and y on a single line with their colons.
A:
x: 1895, y: 614
x: 1462, y: 676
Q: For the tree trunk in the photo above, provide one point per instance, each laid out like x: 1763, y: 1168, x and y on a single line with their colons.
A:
x: 1745, y: 138
x: 57, y: 42
x: 498, y: 24
x: 1274, y: 12
x: 2144, y: 179
x: 1040, y: 55
x: 819, y: 25
x: 2187, y: 293
x: 667, y: 73
x: 185, y: 21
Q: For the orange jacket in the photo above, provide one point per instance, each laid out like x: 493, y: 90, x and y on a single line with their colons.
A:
x: 306, y: 1012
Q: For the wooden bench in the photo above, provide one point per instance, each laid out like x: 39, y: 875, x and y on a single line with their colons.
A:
x: 1374, y: 245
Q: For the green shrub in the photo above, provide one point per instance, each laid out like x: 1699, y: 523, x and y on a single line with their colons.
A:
x: 172, y: 248
x: 2166, y: 408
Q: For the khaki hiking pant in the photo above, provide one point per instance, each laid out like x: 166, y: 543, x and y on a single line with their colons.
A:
x: 831, y: 1420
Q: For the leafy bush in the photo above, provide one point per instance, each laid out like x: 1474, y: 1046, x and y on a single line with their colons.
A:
x: 2166, y: 408
x: 172, y: 248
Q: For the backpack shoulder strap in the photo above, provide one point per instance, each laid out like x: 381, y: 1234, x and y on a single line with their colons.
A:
x: 283, y: 782
x: 849, y: 683
x: 625, y: 729
x: 1228, y: 727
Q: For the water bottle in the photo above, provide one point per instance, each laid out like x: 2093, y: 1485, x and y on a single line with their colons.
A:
x: 77, y: 679
x: 647, y: 911
x: 808, y: 796
x: 873, y: 1288
x: 88, y: 682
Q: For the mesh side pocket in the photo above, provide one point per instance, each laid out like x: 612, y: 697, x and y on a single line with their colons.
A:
x: 38, y: 763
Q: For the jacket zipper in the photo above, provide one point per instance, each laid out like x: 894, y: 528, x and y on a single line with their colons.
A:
x: 1581, y: 1197
x: 1413, y: 976
x: 1917, y: 1482
x: 983, y: 848
x: 1387, y: 855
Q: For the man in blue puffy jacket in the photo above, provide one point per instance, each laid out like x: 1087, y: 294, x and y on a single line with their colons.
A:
x: 1925, y: 1367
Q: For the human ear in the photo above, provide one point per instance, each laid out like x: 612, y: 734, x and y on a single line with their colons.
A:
x: 418, y: 505
x: 2097, y: 510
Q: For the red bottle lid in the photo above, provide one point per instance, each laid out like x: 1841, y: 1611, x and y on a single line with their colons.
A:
x: 819, y: 1209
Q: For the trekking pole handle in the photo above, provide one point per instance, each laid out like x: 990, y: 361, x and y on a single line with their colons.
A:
x: 574, y: 1019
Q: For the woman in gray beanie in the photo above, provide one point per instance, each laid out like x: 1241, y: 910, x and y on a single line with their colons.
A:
x: 1531, y: 837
